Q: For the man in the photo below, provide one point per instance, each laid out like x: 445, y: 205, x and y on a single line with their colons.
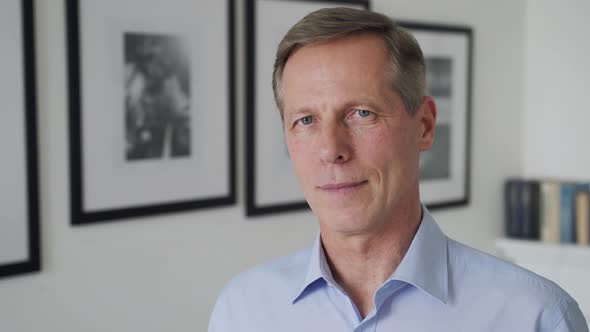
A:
x: 350, y: 88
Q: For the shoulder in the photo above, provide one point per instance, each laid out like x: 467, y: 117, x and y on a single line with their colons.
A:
x: 495, y: 271
x: 274, y: 279
x: 508, y: 285
x: 251, y: 295
x: 282, y: 271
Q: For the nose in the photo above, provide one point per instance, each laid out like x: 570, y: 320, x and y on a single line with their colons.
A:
x: 334, y: 144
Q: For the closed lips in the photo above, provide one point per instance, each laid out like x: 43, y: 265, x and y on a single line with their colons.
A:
x: 343, y: 185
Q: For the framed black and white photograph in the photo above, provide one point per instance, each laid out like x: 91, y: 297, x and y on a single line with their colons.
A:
x: 19, y: 225
x: 151, y: 107
x: 444, y: 169
x: 271, y: 185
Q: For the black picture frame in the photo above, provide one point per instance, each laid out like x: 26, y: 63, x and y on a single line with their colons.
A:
x: 219, y: 174
x: 448, y: 51
x: 26, y: 231
x: 271, y: 187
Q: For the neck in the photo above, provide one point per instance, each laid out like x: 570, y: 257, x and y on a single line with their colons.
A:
x: 362, y: 262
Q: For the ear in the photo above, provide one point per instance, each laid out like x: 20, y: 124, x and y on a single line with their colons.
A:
x: 426, y: 115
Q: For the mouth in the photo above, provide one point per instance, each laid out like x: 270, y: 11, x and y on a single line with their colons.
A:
x: 342, y: 186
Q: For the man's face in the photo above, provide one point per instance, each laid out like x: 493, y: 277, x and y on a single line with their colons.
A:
x: 354, y: 147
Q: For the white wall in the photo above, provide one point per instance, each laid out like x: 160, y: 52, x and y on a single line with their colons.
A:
x: 163, y: 273
x: 556, y: 126
x: 557, y: 110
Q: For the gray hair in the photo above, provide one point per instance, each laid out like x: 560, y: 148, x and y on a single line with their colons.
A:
x: 406, y: 59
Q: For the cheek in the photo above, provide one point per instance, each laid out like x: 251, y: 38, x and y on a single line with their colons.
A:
x: 300, y: 153
x: 390, y: 150
x: 381, y: 138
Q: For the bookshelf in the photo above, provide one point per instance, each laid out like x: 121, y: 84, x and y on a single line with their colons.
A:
x: 566, y: 264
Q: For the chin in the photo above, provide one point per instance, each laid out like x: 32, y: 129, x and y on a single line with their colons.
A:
x: 342, y: 220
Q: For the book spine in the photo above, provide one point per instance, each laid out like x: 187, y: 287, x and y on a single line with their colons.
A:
x: 582, y: 214
x: 568, y: 229
x: 555, y: 212
x: 549, y: 210
x: 512, y: 204
x: 536, y: 210
x: 530, y: 210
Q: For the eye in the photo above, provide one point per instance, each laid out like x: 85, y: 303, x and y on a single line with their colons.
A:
x: 363, y: 113
x: 306, y: 120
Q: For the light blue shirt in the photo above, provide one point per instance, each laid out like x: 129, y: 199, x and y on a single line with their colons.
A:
x: 440, y: 285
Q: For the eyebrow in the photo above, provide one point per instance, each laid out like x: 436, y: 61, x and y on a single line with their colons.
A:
x: 347, y: 105
x: 362, y: 101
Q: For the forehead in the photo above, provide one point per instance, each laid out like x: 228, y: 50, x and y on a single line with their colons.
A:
x: 354, y: 65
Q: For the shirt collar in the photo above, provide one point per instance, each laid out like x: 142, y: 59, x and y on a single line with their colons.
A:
x: 318, y: 269
x: 424, y: 266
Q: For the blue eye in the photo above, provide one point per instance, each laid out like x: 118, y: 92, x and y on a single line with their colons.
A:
x: 363, y: 113
x: 306, y: 120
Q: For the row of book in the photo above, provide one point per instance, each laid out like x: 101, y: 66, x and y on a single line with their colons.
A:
x: 547, y: 210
